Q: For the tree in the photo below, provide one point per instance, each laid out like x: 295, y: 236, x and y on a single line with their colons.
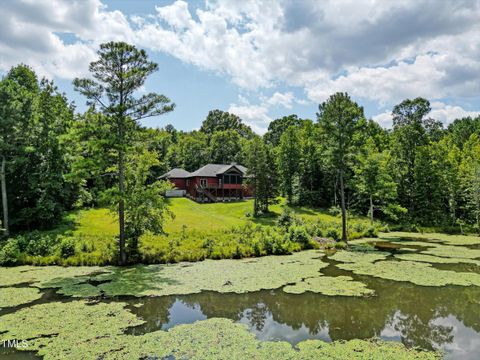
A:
x: 409, y: 132
x: 373, y: 179
x: 289, y: 161
x: 311, y: 171
x: 277, y: 127
x: 218, y: 120
x: 461, y: 130
x: 190, y: 152
x: 341, y: 121
x: 225, y: 147
x: 147, y: 208
x: 470, y: 175
x: 35, y: 118
x: 260, y: 175
x: 121, y: 70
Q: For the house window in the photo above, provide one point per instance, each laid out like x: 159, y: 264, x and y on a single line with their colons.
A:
x: 203, y: 182
x: 188, y: 182
x: 232, y: 179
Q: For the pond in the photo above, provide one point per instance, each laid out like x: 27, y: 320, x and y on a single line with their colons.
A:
x: 428, y: 317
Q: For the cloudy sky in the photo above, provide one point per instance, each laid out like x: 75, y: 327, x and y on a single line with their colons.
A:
x: 263, y: 59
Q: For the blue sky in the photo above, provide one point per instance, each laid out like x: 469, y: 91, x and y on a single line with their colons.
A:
x: 263, y: 59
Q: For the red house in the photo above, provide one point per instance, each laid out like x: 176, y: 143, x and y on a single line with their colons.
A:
x: 212, y: 182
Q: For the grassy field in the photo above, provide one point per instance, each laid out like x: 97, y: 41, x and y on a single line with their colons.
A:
x: 196, y: 231
x: 199, y: 217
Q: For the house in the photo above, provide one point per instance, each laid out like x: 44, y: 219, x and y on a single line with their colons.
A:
x: 212, y: 182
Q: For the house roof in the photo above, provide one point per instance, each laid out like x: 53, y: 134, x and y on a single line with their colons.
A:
x: 176, y: 173
x: 212, y: 170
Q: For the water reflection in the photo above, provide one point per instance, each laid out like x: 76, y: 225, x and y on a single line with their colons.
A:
x: 431, y: 318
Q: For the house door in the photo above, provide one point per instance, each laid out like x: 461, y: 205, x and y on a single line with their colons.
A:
x: 203, y: 183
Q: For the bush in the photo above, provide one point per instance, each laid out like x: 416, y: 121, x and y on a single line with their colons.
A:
x: 334, y: 234
x: 37, y: 244
x: 335, y: 211
x: 340, y: 245
x: 10, y: 253
x: 67, y: 248
x: 286, y: 218
x: 299, y: 235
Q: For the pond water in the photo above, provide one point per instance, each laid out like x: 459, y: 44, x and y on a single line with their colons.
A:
x: 446, y: 318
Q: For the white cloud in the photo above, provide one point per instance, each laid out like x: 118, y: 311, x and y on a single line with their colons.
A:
x: 440, y: 111
x: 256, y: 116
x: 380, y: 51
x: 29, y: 33
x: 283, y: 99
x: 448, y: 113
x: 384, y: 119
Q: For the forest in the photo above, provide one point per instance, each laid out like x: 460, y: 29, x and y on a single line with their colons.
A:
x: 54, y: 159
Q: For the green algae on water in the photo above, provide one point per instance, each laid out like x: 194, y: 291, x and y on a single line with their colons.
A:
x: 435, y: 237
x: 15, y: 296
x: 76, y: 330
x: 358, y: 256
x: 436, y: 259
x: 41, y: 276
x: 415, y: 272
x: 329, y: 285
x: 224, y: 276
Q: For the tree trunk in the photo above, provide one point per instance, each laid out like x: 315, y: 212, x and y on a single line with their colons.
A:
x: 344, y: 211
x: 121, y: 206
x: 371, y: 210
x: 4, y: 197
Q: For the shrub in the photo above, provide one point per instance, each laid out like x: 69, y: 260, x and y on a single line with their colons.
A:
x: 298, y: 234
x: 371, y: 232
x: 67, y: 248
x: 38, y: 244
x: 10, y: 253
x: 286, y: 218
x: 333, y: 233
x: 335, y: 211
x: 340, y: 245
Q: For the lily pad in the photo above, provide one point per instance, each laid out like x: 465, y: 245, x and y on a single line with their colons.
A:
x: 13, y: 296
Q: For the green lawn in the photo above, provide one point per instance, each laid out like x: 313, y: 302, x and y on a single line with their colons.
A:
x: 199, y: 217
x: 196, y: 231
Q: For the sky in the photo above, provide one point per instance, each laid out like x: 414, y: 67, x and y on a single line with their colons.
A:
x: 262, y: 59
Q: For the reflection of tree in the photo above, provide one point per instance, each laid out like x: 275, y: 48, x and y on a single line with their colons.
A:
x: 256, y: 316
x: 425, y: 334
x: 155, y: 312
x: 345, y: 317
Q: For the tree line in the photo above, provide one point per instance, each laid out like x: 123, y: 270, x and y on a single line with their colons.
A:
x: 54, y: 159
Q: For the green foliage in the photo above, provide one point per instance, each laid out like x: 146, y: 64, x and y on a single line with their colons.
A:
x: 225, y: 147
x: 260, y: 176
x: 289, y: 161
x: 342, y: 125
x: 121, y: 70
x: 286, y: 218
x: 218, y: 121
x: 10, y: 253
x: 34, y: 120
x: 67, y: 248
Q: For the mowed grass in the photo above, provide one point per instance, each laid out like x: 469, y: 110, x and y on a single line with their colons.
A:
x: 195, y: 216
x: 195, y: 232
